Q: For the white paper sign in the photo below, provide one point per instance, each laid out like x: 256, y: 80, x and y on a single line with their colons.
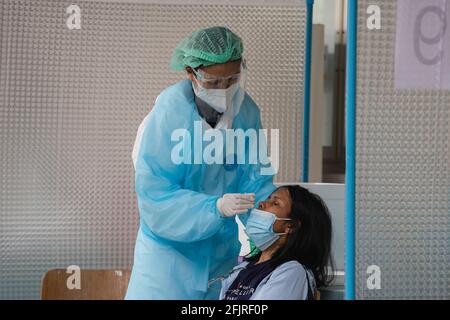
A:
x: 422, y: 52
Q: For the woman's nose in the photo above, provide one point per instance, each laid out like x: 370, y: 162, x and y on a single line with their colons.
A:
x: 262, y: 205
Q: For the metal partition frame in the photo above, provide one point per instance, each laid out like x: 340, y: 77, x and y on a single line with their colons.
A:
x: 350, y: 157
x: 307, y: 84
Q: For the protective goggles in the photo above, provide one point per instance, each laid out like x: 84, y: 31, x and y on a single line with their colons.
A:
x: 211, y: 81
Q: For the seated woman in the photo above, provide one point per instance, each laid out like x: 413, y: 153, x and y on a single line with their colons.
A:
x: 293, y: 231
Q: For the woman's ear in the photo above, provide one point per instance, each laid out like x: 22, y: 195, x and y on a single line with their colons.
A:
x: 292, y: 226
x: 289, y: 228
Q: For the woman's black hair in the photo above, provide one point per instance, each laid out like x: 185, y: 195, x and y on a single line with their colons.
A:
x: 309, y: 243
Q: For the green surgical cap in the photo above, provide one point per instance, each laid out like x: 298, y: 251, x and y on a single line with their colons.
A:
x: 206, y: 47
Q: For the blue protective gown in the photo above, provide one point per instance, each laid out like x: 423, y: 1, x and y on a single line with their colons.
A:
x: 183, y: 241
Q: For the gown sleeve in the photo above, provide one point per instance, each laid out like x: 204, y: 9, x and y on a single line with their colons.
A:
x: 166, y: 208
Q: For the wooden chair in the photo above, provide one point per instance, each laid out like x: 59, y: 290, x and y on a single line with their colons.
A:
x: 95, y: 285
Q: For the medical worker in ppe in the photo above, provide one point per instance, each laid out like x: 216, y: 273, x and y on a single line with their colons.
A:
x: 188, y: 233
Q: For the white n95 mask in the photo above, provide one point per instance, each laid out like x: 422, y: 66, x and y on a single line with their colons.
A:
x: 218, y: 99
x: 259, y: 228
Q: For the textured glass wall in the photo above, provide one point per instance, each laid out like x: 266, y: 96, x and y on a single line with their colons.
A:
x: 402, y: 172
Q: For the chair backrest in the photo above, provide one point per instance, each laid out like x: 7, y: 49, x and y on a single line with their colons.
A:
x: 94, y: 285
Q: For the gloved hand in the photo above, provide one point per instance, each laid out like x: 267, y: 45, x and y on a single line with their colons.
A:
x: 232, y: 204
